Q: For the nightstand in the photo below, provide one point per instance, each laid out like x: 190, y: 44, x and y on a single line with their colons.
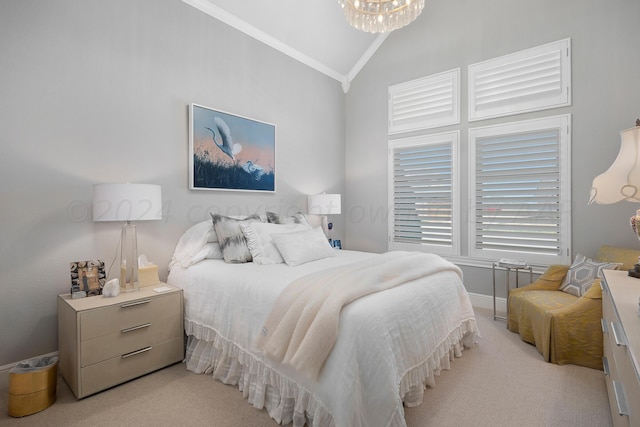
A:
x: 103, y: 341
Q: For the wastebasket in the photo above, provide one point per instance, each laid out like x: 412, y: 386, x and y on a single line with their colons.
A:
x: 32, y: 385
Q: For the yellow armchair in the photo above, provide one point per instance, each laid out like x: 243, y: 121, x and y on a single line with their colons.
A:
x: 563, y: 327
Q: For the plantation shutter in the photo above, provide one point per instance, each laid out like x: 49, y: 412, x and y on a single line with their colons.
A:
x: 530, y: 80
x: 424, y: 103
x: 520, y: 191
x: 423, y: 194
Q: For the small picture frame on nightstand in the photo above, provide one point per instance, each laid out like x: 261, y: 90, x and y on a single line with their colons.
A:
x: 87, y: 277
x: 337, y: 244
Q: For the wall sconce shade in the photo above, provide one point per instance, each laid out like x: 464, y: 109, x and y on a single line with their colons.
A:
x: 127, y: 202
x: 622, y: 180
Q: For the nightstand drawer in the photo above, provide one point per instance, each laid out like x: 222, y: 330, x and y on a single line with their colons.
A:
x: 116, y: 317
x: 157, y: 330
x: 119, y: 369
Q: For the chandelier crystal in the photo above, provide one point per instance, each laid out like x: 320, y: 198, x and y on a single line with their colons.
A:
x: 381, y: 16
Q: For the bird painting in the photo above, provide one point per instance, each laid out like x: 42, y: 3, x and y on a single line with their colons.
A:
x: 227, y: 146
x: 254, y: 170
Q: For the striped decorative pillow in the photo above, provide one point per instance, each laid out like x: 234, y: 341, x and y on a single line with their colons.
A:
x: 232, y: 242
x: 293, y: 219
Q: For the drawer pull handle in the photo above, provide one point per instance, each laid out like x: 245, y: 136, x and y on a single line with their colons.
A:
x: 603, y: 323
x: 133, y: 353
x: 621, y: 400
x: 135, y: 328
x: 618, y: 335
x: 605, y: 366
x: 132, y: 304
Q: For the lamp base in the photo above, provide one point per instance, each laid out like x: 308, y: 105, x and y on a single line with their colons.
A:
x: 635, y: 271
x: 129, y: 259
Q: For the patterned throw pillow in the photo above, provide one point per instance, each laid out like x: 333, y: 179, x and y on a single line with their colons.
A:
x: 582, y: 273
x: 294, y: 219
x: 232, y: 242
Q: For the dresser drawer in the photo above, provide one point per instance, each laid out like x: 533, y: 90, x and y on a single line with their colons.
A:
x: 100, y: 376
x: 629, y: 388
x: 116, y: 317
x: 157, y: 330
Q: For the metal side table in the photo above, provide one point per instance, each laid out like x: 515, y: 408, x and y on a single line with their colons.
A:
x: 508, y: 270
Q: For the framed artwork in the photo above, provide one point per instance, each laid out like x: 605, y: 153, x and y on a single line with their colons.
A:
x: 230, y: 152
x: 88, y: 277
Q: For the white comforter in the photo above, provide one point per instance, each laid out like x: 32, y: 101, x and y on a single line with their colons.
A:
x: 390, y: 343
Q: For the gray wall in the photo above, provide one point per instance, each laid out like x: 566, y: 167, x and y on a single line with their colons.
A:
x: 97, y: 91
x: 450, y: 34
x: 94, y: 91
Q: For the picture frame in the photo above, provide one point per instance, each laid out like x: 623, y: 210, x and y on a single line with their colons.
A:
x: 88, y: 277
x: 229, y: 152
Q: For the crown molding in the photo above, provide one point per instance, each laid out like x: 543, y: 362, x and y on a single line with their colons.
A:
x: 250, y: 30
x: 240, y: 25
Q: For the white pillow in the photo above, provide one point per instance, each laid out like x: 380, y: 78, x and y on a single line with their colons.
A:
x: 314, y: 220
x: 261, y: 246
x: 303, y: 246
x: 209, y: 251
x: 191, y: 243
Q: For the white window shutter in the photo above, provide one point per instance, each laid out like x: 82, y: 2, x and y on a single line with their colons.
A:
x: 530, y: 80
x: 423, y: 182
x: 425, y: 103
x: 520, y: 182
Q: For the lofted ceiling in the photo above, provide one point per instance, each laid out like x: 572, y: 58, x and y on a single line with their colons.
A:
x: 314, y: 32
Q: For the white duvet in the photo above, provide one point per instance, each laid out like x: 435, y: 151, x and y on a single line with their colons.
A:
x: 390, y: 344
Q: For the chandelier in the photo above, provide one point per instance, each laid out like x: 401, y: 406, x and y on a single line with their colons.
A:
x: 381, y: 16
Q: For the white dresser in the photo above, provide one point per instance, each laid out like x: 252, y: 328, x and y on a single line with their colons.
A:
x: 103, y: 342
x: 621, y: 327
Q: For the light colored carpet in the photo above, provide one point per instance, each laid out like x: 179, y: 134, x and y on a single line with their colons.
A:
x: 500, y: 382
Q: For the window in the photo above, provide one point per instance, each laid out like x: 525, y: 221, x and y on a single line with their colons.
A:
x: 425, y: 103
x: 423, y: 192
x: 530, y: 80
x: 519, y: 183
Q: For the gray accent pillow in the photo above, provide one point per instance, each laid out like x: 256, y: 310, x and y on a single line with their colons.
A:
x: 582, y: 273
x: 293, y: 219
x: 232, y: 241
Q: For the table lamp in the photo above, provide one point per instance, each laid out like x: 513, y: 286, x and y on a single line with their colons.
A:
x: 127, y: 202
x: 622, y: 180
x: 324, y: 204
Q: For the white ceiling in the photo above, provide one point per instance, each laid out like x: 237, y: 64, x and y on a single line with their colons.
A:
x: 314, y: 32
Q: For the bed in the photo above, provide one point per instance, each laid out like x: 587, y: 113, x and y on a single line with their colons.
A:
x: 389, y: 345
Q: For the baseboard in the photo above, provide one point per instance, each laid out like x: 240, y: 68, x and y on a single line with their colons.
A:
x: 6, y: 368
x: 486, y: 301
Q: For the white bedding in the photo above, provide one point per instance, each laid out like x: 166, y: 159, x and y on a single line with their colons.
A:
x: 390, y: 344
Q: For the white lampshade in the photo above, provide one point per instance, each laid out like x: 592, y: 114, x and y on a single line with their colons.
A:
x: 622, y: 180
x: 127, y: 202
x: 324, y: 204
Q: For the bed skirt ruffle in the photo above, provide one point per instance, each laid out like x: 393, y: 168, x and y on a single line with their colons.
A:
x: 287, y: 402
